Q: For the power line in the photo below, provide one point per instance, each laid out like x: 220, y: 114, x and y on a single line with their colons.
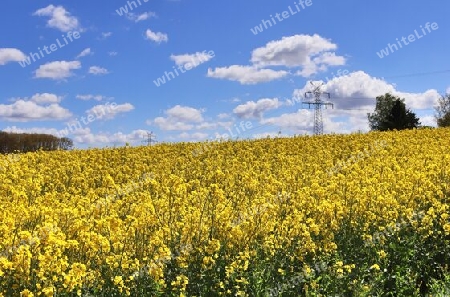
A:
x: 419, y: 74
x: 354, y: 109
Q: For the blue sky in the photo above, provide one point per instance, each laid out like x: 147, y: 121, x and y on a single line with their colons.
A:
x: 198, y: 70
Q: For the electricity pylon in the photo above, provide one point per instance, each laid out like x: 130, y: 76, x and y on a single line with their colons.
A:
x: 318, y: 103
x: 149, y: 139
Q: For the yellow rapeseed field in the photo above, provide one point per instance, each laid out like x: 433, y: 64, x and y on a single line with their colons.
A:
x: 234, y: 218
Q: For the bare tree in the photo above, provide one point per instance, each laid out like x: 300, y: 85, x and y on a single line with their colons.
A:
x: 443, y: 111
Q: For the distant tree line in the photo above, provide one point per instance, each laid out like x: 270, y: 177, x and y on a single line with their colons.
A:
x: 25, y: 142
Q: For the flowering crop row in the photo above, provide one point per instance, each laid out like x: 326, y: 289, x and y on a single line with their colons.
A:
x: 162, y: 221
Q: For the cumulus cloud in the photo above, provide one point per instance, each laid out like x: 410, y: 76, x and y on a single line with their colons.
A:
x: 193, y: 60
x: 246, y: 75
x: 353, y: 96
x: 213, y: 125
x: 86, y: 137
x: 185, y: 113
x: 223, y: 116
x: 45, y: 98
x: 197, y: 136
x: 359, y: 90
x: 11, y: 55
x: 36, y: 130
x: 297, y: 121
x: 265, y: 135
x: 311, y: 53
x: 93, y: 97
x: 157, y: 37
x: 109, y: 111
x: 428, y: 121
x: 25, y: 111
x: 59, y: 18
x: 57, y: 70
x: 178, y: 117
x: 96, y: 70
x: 253, y: 109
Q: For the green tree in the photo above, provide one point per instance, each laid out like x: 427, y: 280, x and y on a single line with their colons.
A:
x: 26, y: 142
x: 443, y: 111
x: 383, y: 108
x: 391, y: 113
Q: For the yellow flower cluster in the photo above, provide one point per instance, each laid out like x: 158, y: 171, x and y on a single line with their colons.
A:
x: 87, y: 221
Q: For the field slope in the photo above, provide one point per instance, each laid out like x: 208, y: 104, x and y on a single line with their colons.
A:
x: 335, y: 215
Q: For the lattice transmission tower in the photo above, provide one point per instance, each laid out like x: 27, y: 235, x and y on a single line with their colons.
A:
x: 318, y: 103
x: 150, y: 138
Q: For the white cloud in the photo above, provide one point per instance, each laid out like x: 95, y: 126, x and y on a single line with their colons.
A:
x: 193, y: 59
x: 41, y: 98
x: 96, y: 70
x: 85, y: 52
x: 223, y: 116
x: 355, y: 90
x: 292, y: 51
x: 112, y: 54
x: 93, y: 97
x: 354, y: 96
x: 215, y: 125
x: 265, y: 135
x: 345, y: 121
x: 359, y: 90
x: 11, y: 55
x: 59, y: 18
x: 141, y: 17
x: 178, y: 118
x: 253, y: 109
x: 24, y: 111
x: 246, y: 75
x: 197, y: 136
x: 106, y: 35
x: 206, y: 126
x: 302, y: 120
x: 45, y: 98
x: 85, y: 136
x: 329, y: 58
x: 185, y: 113
x: 57, y: 70
x: 157, y: 37
x: 311, y: 53
x: 109, y: 111
x: 119, y: 138
x: 448, y: 90
x: 168, y: 124
x: 428, y: 121
x: 14, y: 129
x: 417, y: 101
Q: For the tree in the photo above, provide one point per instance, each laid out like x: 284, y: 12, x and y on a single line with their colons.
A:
x: 25, y: 142
x: 383, y: 108
x: 391, y: 113
x: 443, y: 111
